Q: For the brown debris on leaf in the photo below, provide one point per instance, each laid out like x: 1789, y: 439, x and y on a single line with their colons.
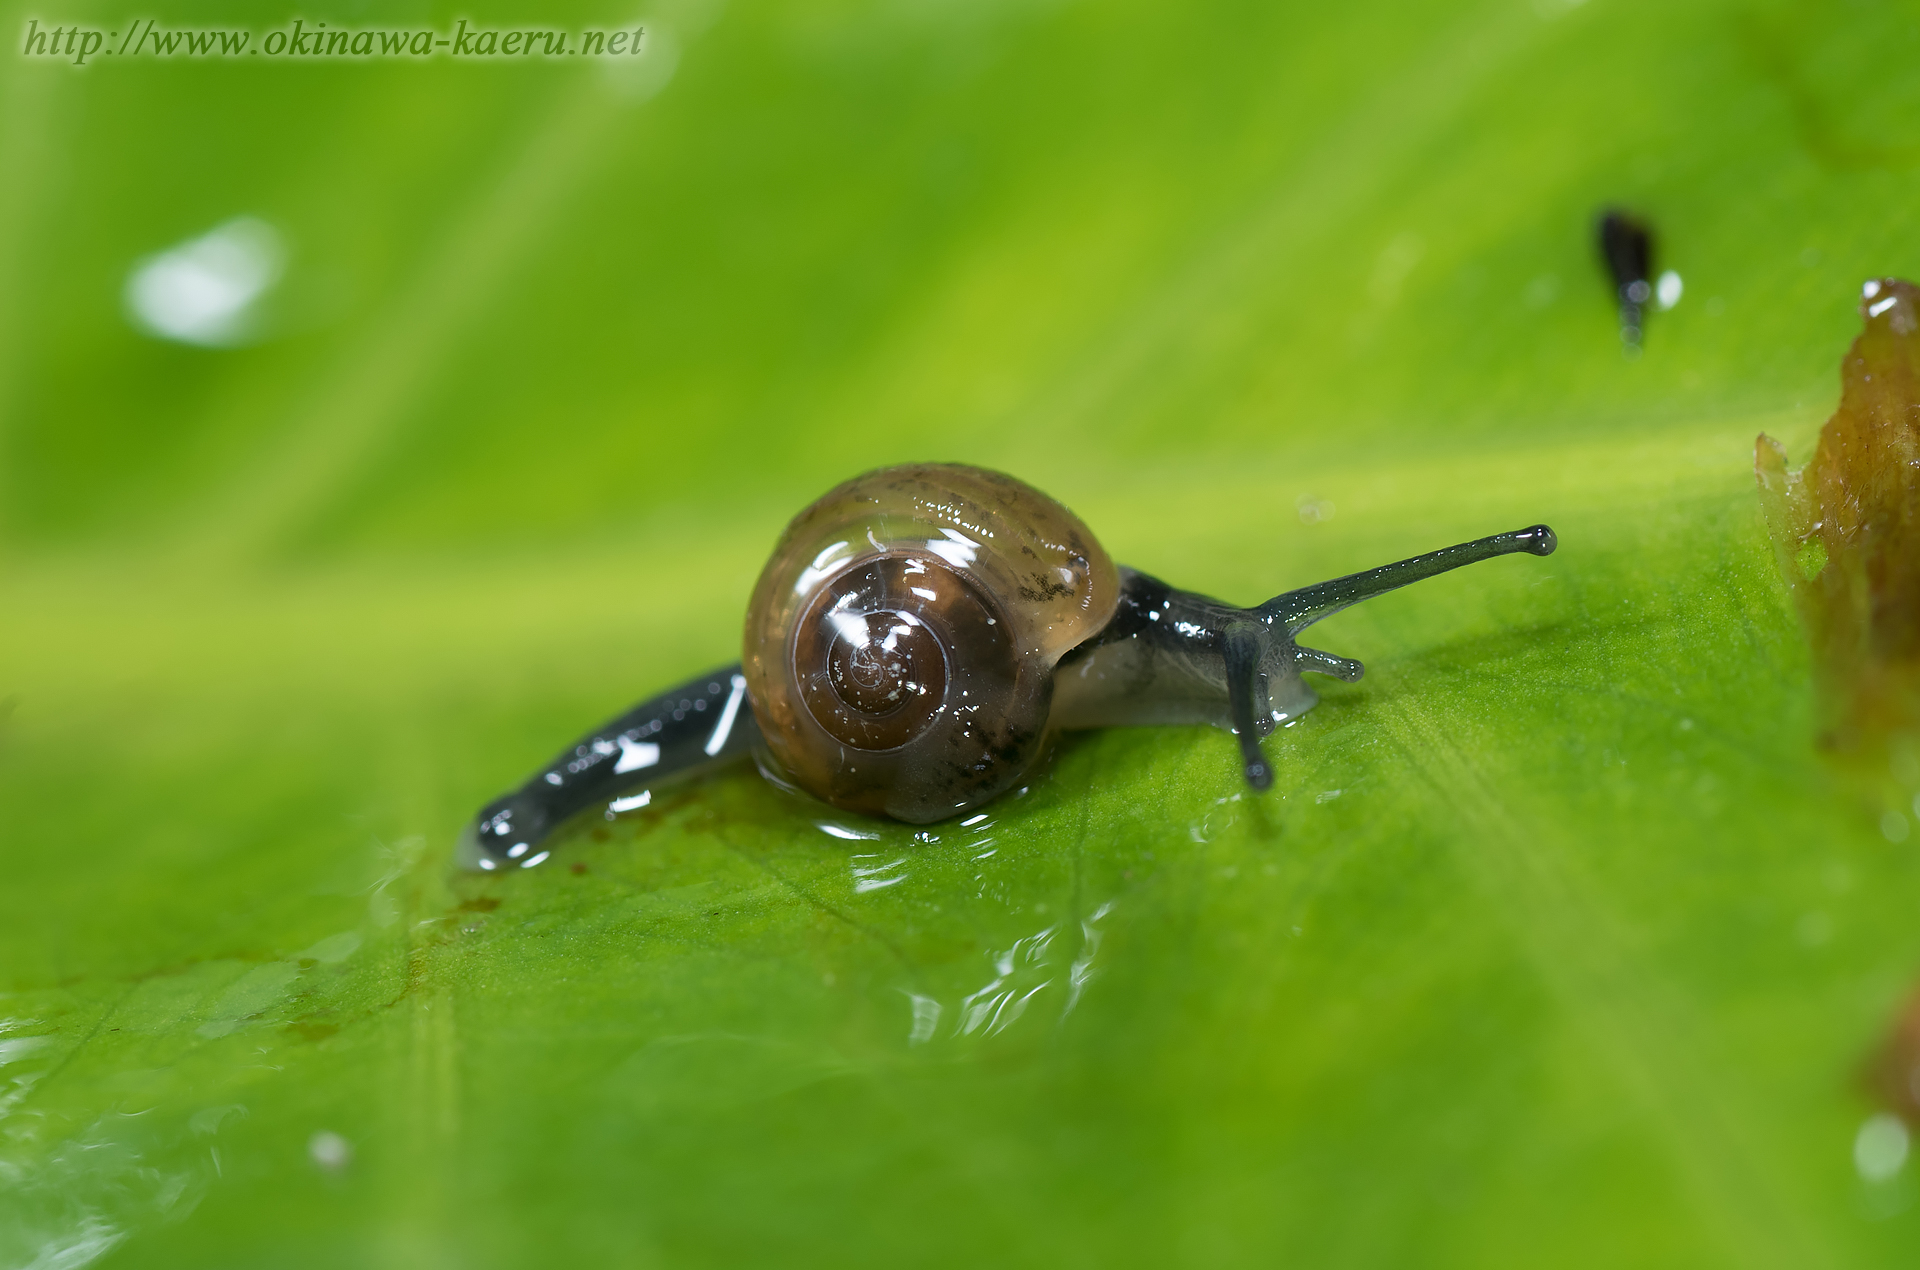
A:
x: 1847, y: 529
x: 1893, y: 1073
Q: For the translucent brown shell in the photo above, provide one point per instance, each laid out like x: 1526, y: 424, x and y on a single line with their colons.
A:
x: 900, y: 644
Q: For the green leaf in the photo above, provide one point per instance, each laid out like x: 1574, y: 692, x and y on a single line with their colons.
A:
x: 1554, y: 943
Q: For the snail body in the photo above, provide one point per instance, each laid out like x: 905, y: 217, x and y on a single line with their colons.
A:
x: 920, y: 633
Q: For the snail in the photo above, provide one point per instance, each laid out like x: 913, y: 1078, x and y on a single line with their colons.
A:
x: 920, y: 634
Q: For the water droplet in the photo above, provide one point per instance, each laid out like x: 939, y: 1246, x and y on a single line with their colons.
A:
x: 206, y: 290
x: 330, y: 1151
x: 1668, y: 289
x: 1880, y: 1148
x: 926, y: 1018
x: 1314, y: 511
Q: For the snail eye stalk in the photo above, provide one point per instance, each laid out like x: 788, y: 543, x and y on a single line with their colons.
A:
x: 1297, y: 610
x: 1248, y: 640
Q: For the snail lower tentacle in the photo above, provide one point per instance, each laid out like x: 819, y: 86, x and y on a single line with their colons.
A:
x: 1244, y: 653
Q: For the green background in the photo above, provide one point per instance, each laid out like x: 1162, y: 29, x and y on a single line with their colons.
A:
x: 1553, y: 944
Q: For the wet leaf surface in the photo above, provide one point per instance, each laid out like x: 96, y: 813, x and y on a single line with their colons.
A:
x: 1555, y: 940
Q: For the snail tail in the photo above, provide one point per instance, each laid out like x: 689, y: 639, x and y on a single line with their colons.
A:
x: 696, y: 726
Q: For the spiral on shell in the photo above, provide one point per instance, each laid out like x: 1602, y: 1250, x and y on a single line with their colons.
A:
x: 901, y: 642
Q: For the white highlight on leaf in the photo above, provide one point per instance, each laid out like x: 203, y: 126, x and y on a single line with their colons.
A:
x: 332, y: 950
x: 1880, y: 1148
x: 1081, y: 973
x: 926, y: 1018
x: 84, y: 1245
x: 873, y: 877
x: 205, y: 291
x: 1667, y: 291
x: 330, y: 1151
x: 19, y: 1047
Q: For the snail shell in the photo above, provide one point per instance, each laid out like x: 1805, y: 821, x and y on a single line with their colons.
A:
x: 900, y: 644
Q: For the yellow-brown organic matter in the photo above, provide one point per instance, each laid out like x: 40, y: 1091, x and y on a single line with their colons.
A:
x: 1847, y: 528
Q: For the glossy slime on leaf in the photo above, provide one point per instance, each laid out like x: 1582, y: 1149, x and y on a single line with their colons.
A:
x: 1846, y: 528
x: 920, y: 634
